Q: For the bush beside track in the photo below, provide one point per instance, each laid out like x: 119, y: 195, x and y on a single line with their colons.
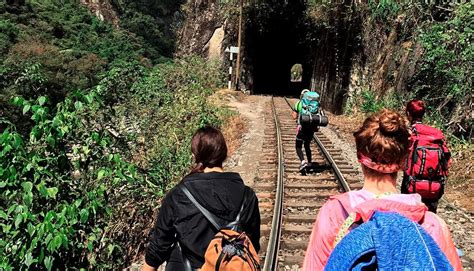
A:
x: 91, y: 137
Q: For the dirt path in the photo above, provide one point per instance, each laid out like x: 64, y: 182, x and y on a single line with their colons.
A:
x: 245, y: 159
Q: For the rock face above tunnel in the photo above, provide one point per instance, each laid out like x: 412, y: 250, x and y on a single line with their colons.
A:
x: 214, y: 45
x: 207, y: 29
x: 103, y: 9
x: 335, y: 48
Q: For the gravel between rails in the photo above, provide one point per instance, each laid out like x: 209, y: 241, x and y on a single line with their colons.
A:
x: 295, y: 236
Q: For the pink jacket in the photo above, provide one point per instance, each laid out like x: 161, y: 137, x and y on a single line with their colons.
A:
x: 331, y: 216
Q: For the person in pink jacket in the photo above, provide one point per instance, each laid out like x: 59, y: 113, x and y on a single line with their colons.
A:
x: 382, y: 145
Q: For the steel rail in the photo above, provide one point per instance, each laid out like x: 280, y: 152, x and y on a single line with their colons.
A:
x: 342, y: 181
x: 271, y: 257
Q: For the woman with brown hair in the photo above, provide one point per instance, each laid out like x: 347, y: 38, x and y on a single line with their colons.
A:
x: 382, y: 145
x: 181, y: 229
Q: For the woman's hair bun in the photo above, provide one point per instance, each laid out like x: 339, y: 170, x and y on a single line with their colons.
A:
x: 383, y: 137
x: 389, y: 122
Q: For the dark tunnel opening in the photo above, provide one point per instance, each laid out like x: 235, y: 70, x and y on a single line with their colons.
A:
x: 275, y: 39
x: 279, y: 34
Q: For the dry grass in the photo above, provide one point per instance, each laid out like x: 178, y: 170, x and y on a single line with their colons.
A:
x: 346, y: 125
x: 224, y: 96
x: 233, y: 129
x: 234, y: 126
x: 460, y: 185
x: 462, y: 169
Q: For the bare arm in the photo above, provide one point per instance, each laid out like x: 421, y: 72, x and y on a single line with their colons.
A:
x: 294, y: 114
x: 146, y: 267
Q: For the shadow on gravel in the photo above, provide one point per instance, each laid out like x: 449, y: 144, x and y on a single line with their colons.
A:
x: 317, y: 168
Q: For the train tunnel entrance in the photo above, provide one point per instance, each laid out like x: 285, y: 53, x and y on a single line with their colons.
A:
x: 276, y: 38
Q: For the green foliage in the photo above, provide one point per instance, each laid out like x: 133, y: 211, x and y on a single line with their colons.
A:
x: 66, y: 181
x: 119, y: 80
x: 449, y: 52
x: 175, y: 97
x: 8, y: 35
x: 152, y: 21
x: 91, y: 136
x: 444, y: 77
x: 383, y: 9
x: 145, y: 26
x: 55, y: 49
x: 441, y: 60
x: 368, y: 102
x: 54, y: 187
x: 71, y: 27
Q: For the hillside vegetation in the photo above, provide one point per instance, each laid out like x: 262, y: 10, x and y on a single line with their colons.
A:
x: 92, y: 135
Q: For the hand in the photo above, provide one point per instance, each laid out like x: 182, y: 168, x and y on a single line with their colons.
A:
x: 294, y: 114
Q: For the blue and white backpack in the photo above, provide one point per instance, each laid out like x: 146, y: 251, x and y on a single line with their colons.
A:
x: 309, y: 103
x: 309, y: 112
x: 388, y: 241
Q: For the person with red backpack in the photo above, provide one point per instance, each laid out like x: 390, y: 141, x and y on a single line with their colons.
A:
x: 208, y: 221
x: 426, y: 168
x: 382, y: 226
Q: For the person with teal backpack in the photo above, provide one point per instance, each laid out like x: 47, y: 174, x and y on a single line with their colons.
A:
x: 310, y: 116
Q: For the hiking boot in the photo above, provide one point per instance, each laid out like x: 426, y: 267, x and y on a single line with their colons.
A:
x: 303, y: 167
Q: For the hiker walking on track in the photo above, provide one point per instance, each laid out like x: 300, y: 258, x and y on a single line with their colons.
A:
x: 377, y: 227
x: 308, y: 114
x: 426, y: 169
x: 208, y: 213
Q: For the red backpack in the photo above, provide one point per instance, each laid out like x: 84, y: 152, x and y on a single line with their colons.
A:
x: 428, y: 162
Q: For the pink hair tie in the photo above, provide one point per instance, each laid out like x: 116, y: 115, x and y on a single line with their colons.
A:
x: 379, y: 167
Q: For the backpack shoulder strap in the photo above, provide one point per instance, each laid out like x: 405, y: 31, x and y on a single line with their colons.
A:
x: 350, y: 220
x: 234, y: 224
x: 298, y: 106
x: 208, y: 215
x: 414, y: 129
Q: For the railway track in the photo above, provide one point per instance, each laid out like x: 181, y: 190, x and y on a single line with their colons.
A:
x: 288, y: 201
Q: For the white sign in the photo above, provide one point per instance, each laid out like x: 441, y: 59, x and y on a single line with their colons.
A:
x: 234, y: 49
